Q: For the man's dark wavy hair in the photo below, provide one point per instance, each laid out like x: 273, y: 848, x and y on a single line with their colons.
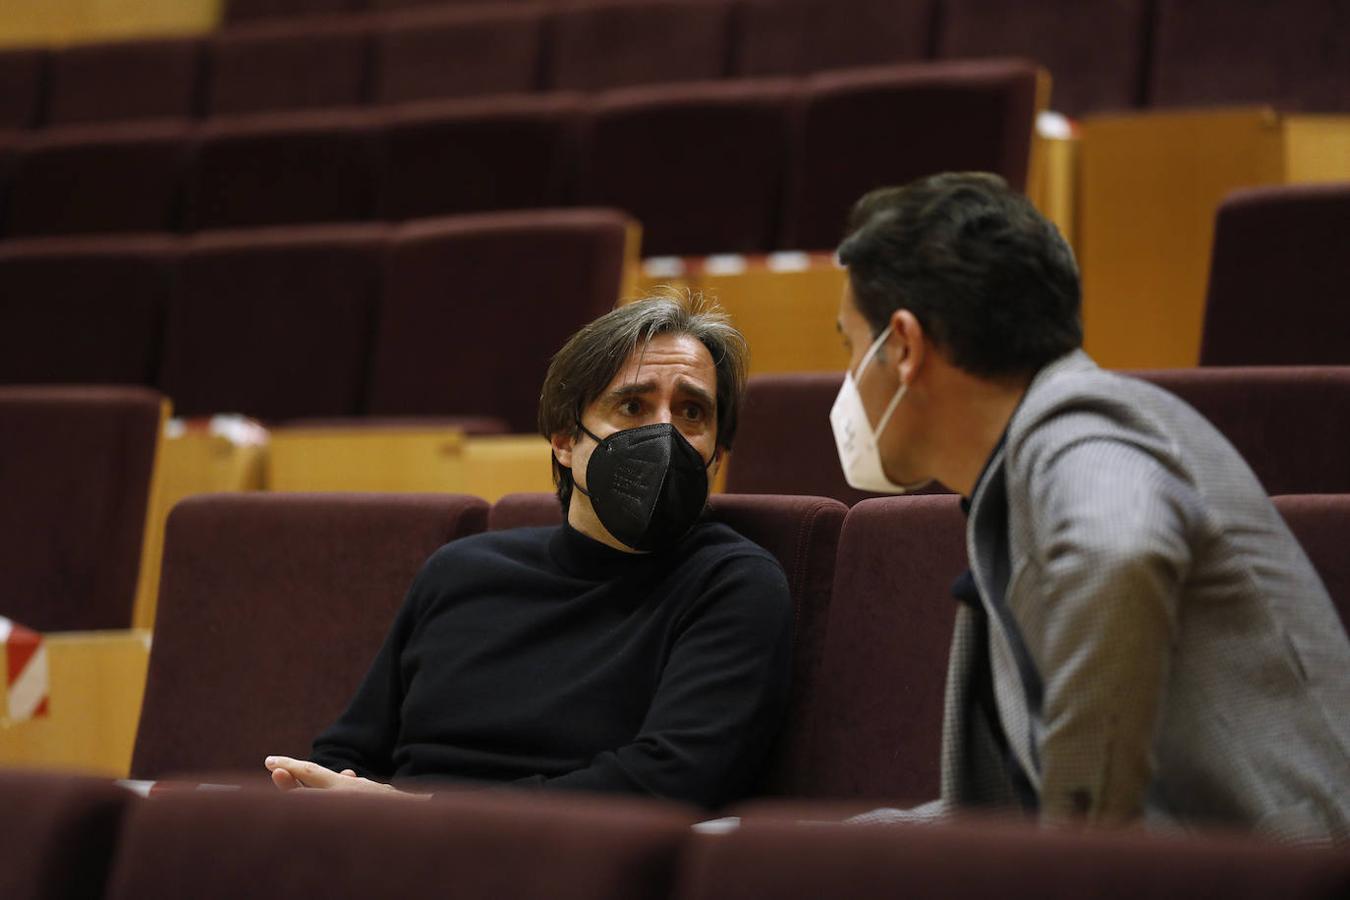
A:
x: 991, y: 281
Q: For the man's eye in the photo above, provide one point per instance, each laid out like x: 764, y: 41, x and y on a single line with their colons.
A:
x: 630, y: 407
x: 693, y: 412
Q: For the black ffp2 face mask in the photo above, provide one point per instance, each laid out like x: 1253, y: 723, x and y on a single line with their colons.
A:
x: 647, y: 485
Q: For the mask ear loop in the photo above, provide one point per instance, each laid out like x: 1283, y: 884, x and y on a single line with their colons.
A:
x: 900, y: 392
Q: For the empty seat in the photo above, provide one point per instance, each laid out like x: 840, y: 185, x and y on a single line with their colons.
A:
x: 598, y: 44
x: 702, y: 167
x: 1283, y: 421
x: 474, y: 307
x: 481, y: 845
x: 874, y: 128
x: 22, y: 81
x: 1095, y: 51
x: 75, y: 468
x: 457, y: 53
x: 1209, y: 52
x: 144, y: 79
x: 273, y: 323
x: 477, y: 156
x: 873, y: 724
x: 803, y: 534
x: 271, y: 608
x: 60, y: 834
x: 106, y: 179
x: 288, y: 65
x: 283, y: 169
x: 967, y: 860
x: 248, y: 10
x: 1278, y: 276
x: 1321, y: 522
x: 782, y: 37
x: 83, y: 310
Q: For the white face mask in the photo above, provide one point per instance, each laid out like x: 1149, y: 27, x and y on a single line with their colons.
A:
x: 853, y: 435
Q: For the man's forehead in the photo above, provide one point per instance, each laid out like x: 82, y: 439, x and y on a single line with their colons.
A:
x: 681, y: 357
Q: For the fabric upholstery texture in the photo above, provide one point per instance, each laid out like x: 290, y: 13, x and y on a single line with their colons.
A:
x: 283, y: 169
x: 460, y: 293
x: 477, y: 156
x: 281, y: 66
x: 702, y: 167
x: 445, y: 53
x: 247, y: 10
x: 873, y: 128
x: 470, y: 846
x: 1094, y: 51
x: 598, y: 44
x: 22, y: 82
x: 1293, y: 55
x: 274, y: 323
x: 1321, y: 522
x: 75, y: 469
x: 980, y: 859
x: 1282, y: 420
x: 117, y: 81
x: 270, y: 610
x: 105, y: 179
x: 797, y: 37
x: 83, y: 310
x: 1280, y: 264
x: 60, y: 834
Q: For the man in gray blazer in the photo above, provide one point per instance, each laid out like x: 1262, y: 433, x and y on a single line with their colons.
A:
x: 1140, y: 637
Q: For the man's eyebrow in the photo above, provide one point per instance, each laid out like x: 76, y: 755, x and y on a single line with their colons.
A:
x: 697, y: 393
x: 632, y: 389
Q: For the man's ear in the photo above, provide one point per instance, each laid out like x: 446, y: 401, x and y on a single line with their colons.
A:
x: 907, y: 346
x: 563, y: 443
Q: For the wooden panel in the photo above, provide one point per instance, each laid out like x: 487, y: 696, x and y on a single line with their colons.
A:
x: 25, y: 22
x: 1316, y: 148
x: 97, y: 680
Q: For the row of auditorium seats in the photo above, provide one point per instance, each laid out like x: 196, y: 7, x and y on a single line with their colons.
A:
x: 736, y: 167
x: 1105, y: 55
x: 78, y: 839
x: 452, y: 317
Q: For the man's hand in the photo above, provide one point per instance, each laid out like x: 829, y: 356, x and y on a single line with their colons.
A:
x: 289, y: 774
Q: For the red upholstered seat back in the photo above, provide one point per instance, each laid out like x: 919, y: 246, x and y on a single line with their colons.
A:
x: 117, y: 81
x: 75, y: 467
x: 21, y: 84
x: 308, y: 64
x: 271, y: 608
x: 1321, y: 522
x: 1278, y: 276
x: 796, y: 37
x: 246, y: 10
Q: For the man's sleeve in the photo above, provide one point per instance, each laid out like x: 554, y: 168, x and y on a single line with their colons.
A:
x: 720, y: 701
x: 1113, y: 534
x: 363, y: 737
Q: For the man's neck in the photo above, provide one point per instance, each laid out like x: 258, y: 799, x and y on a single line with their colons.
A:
x: 581, y: 516
x: 975, y: 423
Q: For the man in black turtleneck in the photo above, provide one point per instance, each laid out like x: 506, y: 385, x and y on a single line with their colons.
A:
x: 636, y: 648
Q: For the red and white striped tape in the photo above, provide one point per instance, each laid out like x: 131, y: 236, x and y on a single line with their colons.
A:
x: 26, y: 680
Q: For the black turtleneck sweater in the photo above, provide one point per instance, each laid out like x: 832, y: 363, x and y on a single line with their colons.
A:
x: 542, y: 657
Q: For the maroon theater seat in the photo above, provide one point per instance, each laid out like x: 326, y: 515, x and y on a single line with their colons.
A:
x: 975, y: 860
x: 283, y: 169
x: 1095, y: 51
x: 99, y: 179
x: 22, y: 83
x: 484, y: 845
x: 1321, y: 523
x: 273, y: 323
x: 599, y: 44
x: 872, y: 727
x: 524, y: 511
x: 1278, y: 277
x: 75, y: 467
x: 83, y: 310
x: 475, y: 306
x: 446, y: 53
x: 878, y: 127
x: 60, y: 835
x: 702, y: 167
x: 144, y: 79
x: 784, y: 444
x: 1292, y: 54
x: 465, y: 156
x: 271, y: 608
x: 249, y: 10
x: 1287, y: 423
x: 288, y: 65
x: 797, y: 37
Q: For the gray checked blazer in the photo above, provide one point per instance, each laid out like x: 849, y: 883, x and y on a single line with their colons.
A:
x: 1160, y: 645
